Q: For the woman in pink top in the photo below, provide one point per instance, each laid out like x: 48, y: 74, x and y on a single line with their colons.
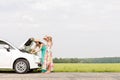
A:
x: 48, y: 56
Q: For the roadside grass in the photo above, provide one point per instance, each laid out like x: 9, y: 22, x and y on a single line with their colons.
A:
x: 85, y: 67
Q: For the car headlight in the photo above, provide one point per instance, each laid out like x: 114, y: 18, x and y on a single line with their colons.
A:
x: 36, y: 59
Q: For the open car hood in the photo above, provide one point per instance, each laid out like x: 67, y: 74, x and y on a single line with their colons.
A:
x: 24, y: 47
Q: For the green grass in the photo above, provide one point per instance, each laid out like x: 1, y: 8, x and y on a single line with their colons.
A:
x: 74, y: 67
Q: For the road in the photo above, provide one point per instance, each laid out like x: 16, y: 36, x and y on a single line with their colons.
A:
x: 59, y: 76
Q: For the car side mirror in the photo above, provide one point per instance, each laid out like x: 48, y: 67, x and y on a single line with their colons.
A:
x: 7, y: 48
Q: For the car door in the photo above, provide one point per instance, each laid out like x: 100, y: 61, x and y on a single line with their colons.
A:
x: 5, y: 55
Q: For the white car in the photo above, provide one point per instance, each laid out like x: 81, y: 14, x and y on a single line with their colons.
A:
x: 13, y: 58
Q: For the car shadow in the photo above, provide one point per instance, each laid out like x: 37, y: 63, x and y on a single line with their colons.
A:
x: 13, y: 72
x: 7, y: 71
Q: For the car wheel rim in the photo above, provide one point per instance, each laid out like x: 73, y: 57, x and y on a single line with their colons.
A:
x: 21, y: 66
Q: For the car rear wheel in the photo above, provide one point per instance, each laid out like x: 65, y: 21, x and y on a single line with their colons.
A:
x: 21, y: 66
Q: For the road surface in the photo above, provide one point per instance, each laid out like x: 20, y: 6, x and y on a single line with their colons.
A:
x: 59, y: 76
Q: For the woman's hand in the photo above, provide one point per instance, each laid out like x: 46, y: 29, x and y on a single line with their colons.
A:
x: 33, y: 51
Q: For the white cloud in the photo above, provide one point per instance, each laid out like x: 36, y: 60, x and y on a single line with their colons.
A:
x: 50, y: 4
x: 27, y: 18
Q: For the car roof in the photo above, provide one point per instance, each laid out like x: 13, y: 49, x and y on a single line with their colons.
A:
x: 8, y: 42
x: 3, y: 40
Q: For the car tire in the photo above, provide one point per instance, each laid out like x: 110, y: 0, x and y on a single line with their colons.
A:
x: 21, y: 66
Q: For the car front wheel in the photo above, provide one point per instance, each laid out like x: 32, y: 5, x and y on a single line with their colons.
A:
x: 21, y: 66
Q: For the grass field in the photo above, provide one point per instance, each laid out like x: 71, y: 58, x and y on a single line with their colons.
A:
x: 69, y: 67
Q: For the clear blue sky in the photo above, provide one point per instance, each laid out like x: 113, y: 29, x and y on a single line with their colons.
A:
x: 80, y: 28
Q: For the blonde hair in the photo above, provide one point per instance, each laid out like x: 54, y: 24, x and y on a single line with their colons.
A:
x: 48, y: 39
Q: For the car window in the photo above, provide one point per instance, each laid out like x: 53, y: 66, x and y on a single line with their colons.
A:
x: 2, y: 44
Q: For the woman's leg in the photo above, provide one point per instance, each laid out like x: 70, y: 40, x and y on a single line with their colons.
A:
x: 43, y: 55
x: 50, y: 65
x: 48, y: 69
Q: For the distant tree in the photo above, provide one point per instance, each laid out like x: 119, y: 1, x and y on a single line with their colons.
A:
x: 87, y: 60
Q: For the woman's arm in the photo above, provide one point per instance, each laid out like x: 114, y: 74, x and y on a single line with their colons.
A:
x: 50, y: 44
x: 38, y: 50
x: 40, y: 47
x: 33, y: 50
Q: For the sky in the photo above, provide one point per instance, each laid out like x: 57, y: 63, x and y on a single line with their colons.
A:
x: 80, y: 28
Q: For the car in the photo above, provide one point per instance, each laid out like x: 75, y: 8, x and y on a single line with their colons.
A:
x: 16, y: 59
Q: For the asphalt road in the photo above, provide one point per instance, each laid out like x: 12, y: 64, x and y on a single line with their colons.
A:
x: 59, y: 76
